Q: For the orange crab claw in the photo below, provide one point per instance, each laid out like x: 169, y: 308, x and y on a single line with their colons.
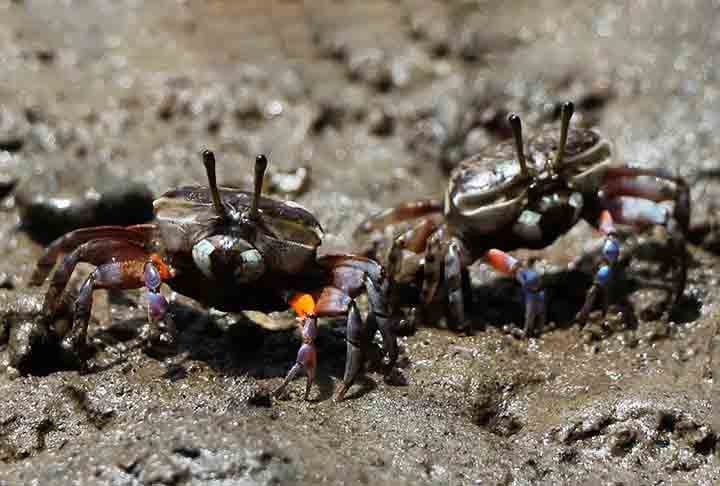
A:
x: 502, y: 261
x: 303, y: 304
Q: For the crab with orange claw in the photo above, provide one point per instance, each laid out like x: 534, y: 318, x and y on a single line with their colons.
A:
x: 230, y: 250
x: 526, y: 195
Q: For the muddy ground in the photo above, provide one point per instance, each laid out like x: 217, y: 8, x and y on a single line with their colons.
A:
x: 104, y: 104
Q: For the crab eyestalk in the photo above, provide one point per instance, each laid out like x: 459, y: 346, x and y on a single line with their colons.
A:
x: 209, y: 161
x: 516, y: 126
x: 566, y: 113
x: 261, y: 164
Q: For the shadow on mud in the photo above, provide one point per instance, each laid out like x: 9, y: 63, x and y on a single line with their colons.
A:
x: 241, y: 348
x: 499, y: 303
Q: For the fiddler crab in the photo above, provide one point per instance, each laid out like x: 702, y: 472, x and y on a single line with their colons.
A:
x: 526, y: 195
x: 230, y: 250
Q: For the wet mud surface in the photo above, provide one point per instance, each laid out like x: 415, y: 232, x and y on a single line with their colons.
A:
x: 104, y: 105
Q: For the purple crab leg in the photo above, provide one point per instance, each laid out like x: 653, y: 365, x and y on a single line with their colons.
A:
x: 157, y: 304
x: 529, y: 279
x: 306, y: 360
x: 380, y: 315
x: 120, y: 275
x: 357, y: 339
x: 119, y: 264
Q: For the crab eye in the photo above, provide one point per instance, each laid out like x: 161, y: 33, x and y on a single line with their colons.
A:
x: 201, y: 256
x: 250, y: 266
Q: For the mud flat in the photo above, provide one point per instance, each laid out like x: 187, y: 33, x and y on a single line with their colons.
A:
x: 378, y: 99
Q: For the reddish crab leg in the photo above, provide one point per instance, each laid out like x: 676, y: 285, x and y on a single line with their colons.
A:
x: 535, y: 311
x: 414, y: 240
x: 627, y: 210
x: 138, y: 235
x: 143, y: 271
x: 95, y: 252
x: 432, y: 274
x: 121, y: 263
x: 647, y: 187
x: 402, y: 212
x: 622, y: 181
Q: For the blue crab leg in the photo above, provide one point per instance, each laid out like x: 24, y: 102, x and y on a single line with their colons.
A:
x: 631, y: 194
x: 529, y: 279
x: 603, y: 275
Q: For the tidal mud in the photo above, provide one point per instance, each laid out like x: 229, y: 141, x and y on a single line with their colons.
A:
x: 361, y: 105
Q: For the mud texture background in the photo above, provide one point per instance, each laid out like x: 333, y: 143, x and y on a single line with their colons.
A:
x: 105, y: 103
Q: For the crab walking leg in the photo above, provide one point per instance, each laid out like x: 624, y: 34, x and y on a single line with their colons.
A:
x: 631, y: 211
x: 432, y: 274
x: 128, y: 274
x: 402, y: 212
x: 535, y: 311
x: 358, y: 337
x: 433, y: 268
x: 348, y: 276
x: 380, y: 316
x: 456, y: 275
x: 138, y: 235
x: 335, y: 302
x: 627, y: 181
x: 306, y: 360
x: 413, y: 240
x: 95, y: 252
x: 330, y: 303
x: 603, y: 275
x: 639, y: 183
x: 157, y: 304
